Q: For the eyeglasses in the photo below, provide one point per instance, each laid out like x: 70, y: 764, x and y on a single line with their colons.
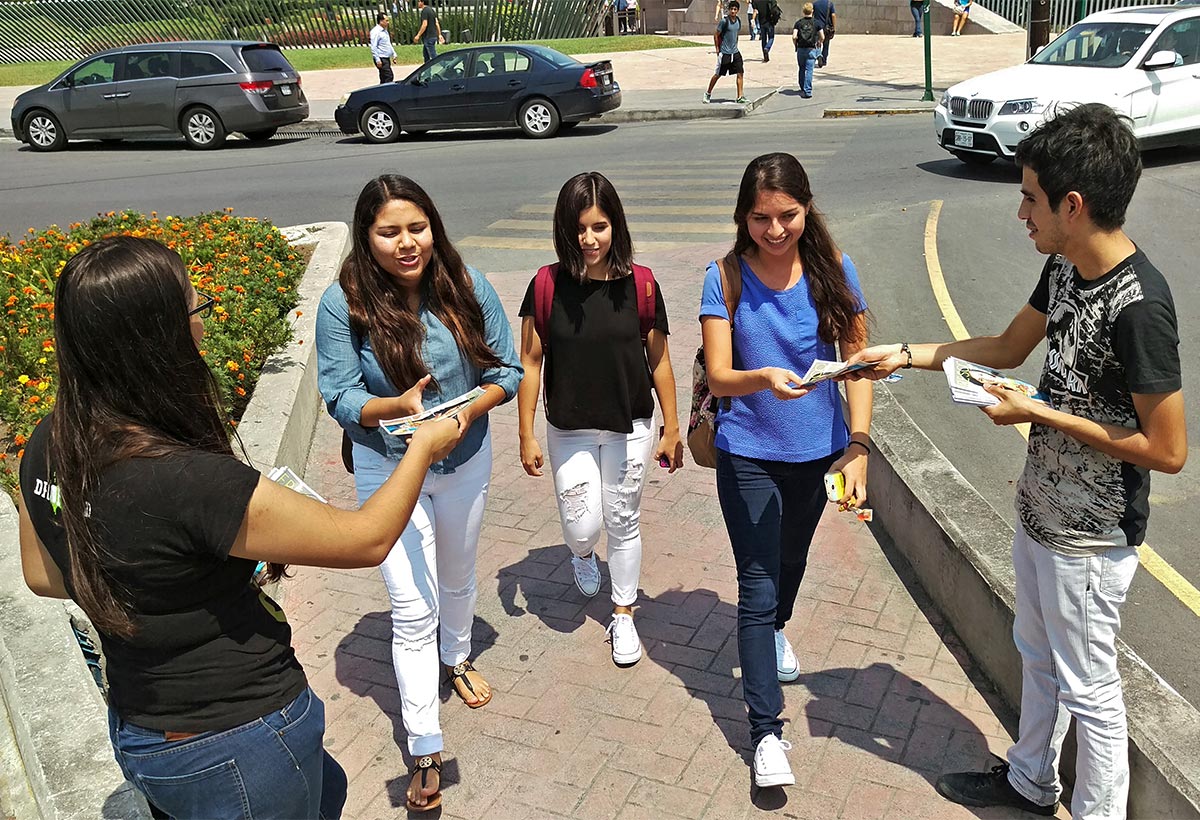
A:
x: 203, y: 306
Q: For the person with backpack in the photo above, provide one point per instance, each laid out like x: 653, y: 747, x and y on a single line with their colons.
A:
x: 784, y: 296
x: 729, y: 58
x: 807, y: 39
x: 826, y: 16
x: 597, y: 324
x: 767, y: 13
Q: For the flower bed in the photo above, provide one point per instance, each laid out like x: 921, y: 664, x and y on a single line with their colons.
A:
x: 244, y: 263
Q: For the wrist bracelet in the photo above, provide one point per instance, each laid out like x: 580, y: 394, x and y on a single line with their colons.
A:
x: 860, y: 444
x: 905, y: 350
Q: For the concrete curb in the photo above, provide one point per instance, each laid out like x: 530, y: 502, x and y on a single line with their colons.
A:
x: 832, y: 113
x: 959, y: 547
x: 63, y: 765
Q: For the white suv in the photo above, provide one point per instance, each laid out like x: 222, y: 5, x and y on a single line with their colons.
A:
x: 1144, y: 62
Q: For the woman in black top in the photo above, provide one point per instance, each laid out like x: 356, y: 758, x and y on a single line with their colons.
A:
x: 601, y: 355
x: 133, y: 504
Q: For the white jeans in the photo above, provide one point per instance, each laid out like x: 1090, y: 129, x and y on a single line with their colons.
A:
x: 598, y: 480
x: 1067, y: 620
x: 430, y: 578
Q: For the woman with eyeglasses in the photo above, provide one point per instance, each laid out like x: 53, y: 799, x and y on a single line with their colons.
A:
x: 133, y: 504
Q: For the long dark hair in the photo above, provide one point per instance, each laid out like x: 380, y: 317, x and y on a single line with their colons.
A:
x: 378, y: 307
x: 837, y: 306
x: 577, y: 194
x: 131, y: 384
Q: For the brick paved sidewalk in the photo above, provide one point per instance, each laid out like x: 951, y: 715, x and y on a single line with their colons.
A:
x: 887, y: 699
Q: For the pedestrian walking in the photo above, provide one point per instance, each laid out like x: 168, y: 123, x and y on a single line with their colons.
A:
x: 962, y: 10
x: 430, y: 32
x: 595, y: 322
x: 729, y: 58
x: 807, y: 38
x: 767, y: 13
x: 134, y: 505
x: 826, y: 16
x: 917, y: 7
x: 1114, y: 412
x: 408, y: 325
x: 382, y: 51
x: 799, y: 301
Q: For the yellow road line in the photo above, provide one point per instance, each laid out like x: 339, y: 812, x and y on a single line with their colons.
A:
x: 1154, y: 563
x: 648, y: 210
x: 634, y: 225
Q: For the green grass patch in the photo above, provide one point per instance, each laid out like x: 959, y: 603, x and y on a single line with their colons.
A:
x: 317, y: 59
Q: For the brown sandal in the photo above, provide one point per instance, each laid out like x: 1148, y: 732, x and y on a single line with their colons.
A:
x: 458, y: 679
x: 423, y: 765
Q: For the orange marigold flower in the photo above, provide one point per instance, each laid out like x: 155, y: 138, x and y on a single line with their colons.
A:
x: 34, y: 399
x: 232, y: 366
x: 239, y: 391
x: 19, y: 439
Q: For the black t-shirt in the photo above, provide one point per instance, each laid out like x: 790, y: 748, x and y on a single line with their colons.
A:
x: 596, y: 373
x: 212, y: 651
x: 1106, y: 339
x: 806, y: 32
x: 763, y: 9
x: 430, y: 18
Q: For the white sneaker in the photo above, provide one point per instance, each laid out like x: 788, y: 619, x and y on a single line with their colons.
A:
x: 771, y: 767
x: 786, y: 666
x: 626, y: 646
x: 587, y: 574
x: 707, y: 97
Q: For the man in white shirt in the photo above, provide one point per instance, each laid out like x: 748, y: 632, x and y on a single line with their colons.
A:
x: 381, y: 48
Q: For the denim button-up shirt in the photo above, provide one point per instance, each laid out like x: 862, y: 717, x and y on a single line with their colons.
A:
x: 349, y: 375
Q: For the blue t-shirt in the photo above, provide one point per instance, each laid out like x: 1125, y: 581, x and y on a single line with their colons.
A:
x: 778, y: 329
x: 729, y: 35
x: 822, y: 11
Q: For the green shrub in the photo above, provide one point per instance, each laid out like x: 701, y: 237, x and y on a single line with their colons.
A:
x: 244, y: 263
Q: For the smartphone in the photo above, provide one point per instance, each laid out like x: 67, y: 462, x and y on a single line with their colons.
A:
x: 663, y: 461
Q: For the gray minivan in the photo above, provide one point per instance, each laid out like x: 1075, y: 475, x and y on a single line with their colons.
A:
x: 202, y: 90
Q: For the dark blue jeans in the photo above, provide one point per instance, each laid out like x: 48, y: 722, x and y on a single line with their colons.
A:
x: 273, y: 767
x: 429, y: 48
x: 771, y: 511
x: 767, y: 32
x: 918, y: 13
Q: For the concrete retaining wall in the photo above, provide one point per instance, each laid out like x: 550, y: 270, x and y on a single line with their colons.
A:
x: 56, y: 762
x: 959, y: 547
x: 854, y: 17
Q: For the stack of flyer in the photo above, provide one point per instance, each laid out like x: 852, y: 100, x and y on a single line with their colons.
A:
x: 408, y: 425
x: 822, y: 370
x: 967, y: 381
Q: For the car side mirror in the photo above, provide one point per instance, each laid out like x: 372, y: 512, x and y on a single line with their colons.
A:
x: 1161, y: 59
x: 1038, y: 50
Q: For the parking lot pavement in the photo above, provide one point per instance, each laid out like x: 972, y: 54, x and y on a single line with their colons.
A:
x: 887, y: 698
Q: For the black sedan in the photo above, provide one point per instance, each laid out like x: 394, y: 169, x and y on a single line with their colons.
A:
x: 534, y: 88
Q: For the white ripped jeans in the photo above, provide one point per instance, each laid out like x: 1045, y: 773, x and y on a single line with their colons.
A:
x: 430, y: 578
x: 598, y: 480
x: 1067, y: 619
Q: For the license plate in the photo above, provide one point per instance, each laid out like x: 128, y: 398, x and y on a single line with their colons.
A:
x: 964, y: 139
x: 285, y: 90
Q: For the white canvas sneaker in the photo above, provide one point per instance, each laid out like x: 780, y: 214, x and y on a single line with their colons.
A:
x: 771, y: 767
x: 587, y: 574
x: 626, y: 645
x: 786, y: 666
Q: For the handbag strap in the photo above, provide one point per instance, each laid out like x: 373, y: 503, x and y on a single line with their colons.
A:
x: 730, y: 271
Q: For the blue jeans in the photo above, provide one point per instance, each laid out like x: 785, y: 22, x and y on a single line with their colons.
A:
x: 918, y: 13
x: 272, y: 767
x: 771, y: 511
x: 767, y: 32
x: 429, y: 48
x: 807, y: 58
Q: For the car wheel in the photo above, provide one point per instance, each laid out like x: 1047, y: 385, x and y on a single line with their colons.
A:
x: 378, y: 124
x: 538, y: 119
x: 44, y: 132
x: 975, y: 159
x: 260, y: 136
x: 202, y: 128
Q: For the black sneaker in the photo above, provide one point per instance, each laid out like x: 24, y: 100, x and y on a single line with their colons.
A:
x: 988, y: 789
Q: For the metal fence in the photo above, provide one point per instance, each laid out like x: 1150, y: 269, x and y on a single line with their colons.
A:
x: 35, y: 30
x: 1063, y: 13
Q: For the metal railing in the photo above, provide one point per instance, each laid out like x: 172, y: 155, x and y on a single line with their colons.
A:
x: 1063, y: 13
x: 36, y: 30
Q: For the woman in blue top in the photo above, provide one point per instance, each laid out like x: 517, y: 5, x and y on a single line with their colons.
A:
x: 408, y: 325
x: 800, y: 301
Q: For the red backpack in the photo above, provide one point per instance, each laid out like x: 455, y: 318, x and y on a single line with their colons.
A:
x: 543, y: 299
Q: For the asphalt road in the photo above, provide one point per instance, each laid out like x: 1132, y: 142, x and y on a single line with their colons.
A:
x: 875, y: 178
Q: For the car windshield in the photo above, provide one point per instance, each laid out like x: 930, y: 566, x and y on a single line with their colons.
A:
x: 265, y: 58
x: 1095, y: 45
x: 555, y: 58
x: 452, y: 66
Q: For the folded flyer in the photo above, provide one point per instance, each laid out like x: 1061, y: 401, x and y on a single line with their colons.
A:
x: 287, y: 477
x: 408, y: 425
x: 967, y: 381
x: 822, y: 370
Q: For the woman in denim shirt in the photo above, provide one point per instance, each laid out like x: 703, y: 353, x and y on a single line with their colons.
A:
x: 408, y: 325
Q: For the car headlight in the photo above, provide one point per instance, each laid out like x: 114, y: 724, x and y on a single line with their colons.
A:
x: 345, y: 99
x: 1021, y: 107
x: 945, y: 103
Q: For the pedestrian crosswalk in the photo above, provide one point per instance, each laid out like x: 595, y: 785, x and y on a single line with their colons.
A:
x: 669, y: 203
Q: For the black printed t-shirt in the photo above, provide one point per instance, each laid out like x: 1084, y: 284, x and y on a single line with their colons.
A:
x: 1106, y: 339
x: 594, y: 364
x: 212, y: 651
